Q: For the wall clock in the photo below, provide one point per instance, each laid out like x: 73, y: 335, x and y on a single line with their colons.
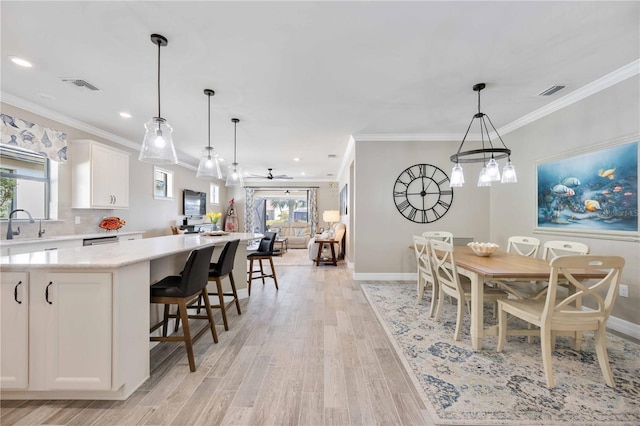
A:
x: 422, y: 193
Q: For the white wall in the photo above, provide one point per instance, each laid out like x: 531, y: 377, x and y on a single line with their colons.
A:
x: 609, y: 114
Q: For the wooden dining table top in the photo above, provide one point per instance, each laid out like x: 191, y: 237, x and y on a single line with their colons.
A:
x: 509, y: 265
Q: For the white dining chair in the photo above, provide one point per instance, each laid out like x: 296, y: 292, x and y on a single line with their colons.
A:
x: 439, y: 235
x: 553, y: 249
x: 523, y: 246
x: 557, y: 313
x: 426, y: 277
x: 452, y: 284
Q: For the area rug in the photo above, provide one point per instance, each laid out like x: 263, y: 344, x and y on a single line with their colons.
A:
x: 462, y: 386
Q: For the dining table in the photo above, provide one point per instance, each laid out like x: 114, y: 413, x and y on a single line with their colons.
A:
x: 501, y: 266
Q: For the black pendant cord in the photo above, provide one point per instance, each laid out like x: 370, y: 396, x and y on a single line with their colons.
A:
x: 235, y: 128
x: 209, y: 128
x: 159, y: 116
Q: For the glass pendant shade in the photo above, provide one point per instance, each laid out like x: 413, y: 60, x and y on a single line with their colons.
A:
x: 157, y: 146
x: 483, y: 179
x: 209, y: 166
x: 509, y: 173
x: 493, y: 171
x: 457, y: 176
x: 234, y: 176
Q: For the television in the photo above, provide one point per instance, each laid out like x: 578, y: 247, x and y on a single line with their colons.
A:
x: 194, y: 203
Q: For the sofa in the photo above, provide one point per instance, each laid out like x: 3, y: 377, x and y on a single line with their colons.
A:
x: 338, y: 230
x: 297, y: 233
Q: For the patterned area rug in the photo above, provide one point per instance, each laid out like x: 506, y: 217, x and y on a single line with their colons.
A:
x: 463, y: 386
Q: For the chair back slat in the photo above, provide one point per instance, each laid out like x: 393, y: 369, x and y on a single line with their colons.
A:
x: 553, y: 249
x: 439, y: 235
x: 195, y: 275
x: 423, y: 257
x: 524, y: 246
x: 445, y: 268
x: 563, y: 268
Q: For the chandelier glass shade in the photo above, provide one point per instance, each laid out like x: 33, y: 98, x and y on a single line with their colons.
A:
x: 209, y: 166
x: 157, y: 145
x: 487, y: 154
x: 234, y: 172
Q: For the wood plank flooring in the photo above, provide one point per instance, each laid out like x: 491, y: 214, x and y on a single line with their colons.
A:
x: 312, y: 353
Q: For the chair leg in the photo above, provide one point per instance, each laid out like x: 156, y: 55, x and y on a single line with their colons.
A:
x: 547, y: 347
x: 165, y: 321
x: 261, y: 271
x: 234, y: 291
x: 460, y: 316
x: 250, y: 276
x: 420, y: 289
x: 502, y: 328
x: 207, y: 307
x: 440, y: 303
x: 182, y: 309
x: 223, y: 309
x: 603, y: 357
x: 273, y: 272
x: 434, y: 293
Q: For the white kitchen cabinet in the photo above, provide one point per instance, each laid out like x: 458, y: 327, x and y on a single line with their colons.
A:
x: 77, y: 317
x: 100, y: 176
x: 14, y: 314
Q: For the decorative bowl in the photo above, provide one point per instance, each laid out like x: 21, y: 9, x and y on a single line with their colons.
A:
x: 483, y: 249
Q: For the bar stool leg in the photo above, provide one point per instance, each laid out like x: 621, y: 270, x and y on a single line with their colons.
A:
x: 223, y: 308
x: 207, y: 307
x: 273, y: 272
x: 235, y: 293
x: 250, y: 276
x: 261, y: 270
x: 182, y: 308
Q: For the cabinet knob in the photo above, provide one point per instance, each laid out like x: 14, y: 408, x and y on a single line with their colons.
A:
x: 15, y: 293
x: 46, y: 293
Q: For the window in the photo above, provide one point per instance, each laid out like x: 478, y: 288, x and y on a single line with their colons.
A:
x: 26, y: 182
x: 162, y: 184
x: 214, y: 194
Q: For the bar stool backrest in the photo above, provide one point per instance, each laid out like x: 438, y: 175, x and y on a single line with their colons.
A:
x: 226, y: 259
x: 196, y: 271
x: 266, y: 243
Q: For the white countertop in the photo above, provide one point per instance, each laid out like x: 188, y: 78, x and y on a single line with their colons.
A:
x: 22, y: 241
x: 118, y: 254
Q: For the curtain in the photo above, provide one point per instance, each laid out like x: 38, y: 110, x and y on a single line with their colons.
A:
x: 250, y: 210
x: 36, y: 138
x: 313, y: 210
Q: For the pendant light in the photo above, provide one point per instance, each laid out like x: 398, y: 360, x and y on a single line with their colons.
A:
x: 157, y: 146
x: 209, y: 166
x: 491, y: 170
x: 234, y: 173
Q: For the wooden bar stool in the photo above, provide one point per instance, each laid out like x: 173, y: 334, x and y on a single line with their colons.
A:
x: 180, y: 290
x: 264, y: 252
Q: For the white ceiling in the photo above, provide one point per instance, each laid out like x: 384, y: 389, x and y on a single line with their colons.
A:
x: 304, y: 76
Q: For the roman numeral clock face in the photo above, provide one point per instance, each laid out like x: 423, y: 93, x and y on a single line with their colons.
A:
x: 422, y: 193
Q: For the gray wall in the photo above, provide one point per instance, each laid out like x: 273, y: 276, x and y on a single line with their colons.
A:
x: 609, y: 114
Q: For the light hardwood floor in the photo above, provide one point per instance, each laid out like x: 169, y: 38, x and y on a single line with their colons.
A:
x: 312, y: 353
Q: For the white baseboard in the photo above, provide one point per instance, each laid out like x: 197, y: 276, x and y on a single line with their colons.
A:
x: 243, y: 293
x: 614, y: 323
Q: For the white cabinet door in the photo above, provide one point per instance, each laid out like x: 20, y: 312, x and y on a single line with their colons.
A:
x: 100, y: 176
x: 14, y: 314
x: 79, y: 331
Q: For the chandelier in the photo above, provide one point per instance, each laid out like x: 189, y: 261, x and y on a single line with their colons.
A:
x: 487, y: 155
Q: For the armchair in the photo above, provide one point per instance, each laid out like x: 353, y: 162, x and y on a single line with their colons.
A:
x: 339, y: 230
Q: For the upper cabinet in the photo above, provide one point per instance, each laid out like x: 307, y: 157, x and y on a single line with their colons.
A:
x: 100, y: 176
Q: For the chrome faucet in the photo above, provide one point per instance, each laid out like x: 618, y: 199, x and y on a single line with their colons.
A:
x: 40, y: 230
x: 11, y: 232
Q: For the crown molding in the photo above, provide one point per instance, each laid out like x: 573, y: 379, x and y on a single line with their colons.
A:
x: 76, y: 124
x: 598, y: 85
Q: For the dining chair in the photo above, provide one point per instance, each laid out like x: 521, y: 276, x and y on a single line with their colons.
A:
x: 426, y: 276
x: 557, y: 313
x: 523, y: 246
x: 552, y: 249
x: 452, y: 284
x: 180, y: 290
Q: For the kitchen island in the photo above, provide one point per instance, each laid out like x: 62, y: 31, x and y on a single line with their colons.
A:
x: 75, y: 322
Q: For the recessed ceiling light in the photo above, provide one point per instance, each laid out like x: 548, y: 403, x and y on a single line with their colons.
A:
x: 303, y: 173
x: 296, y: 159
x: 20, y: 61
x: 46, y: 96
x: 125, y: 115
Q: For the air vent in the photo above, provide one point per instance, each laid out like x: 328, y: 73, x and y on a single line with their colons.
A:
x: 551, y: 90
x: 78, y: 82
x: 332, y: 156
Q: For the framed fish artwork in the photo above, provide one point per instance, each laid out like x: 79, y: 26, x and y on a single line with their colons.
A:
x: 592, y: 191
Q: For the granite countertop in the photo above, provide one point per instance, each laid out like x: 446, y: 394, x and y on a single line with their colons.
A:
x: 21, y: 241
x: 109, y: 256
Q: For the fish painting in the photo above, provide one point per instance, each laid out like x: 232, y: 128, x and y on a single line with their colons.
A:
x: 571, y: 182
x: 563, y: 191
x: 591, y: 205
x: 607, y: 173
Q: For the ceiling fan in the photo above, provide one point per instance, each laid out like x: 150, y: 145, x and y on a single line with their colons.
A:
x: 270, y: 176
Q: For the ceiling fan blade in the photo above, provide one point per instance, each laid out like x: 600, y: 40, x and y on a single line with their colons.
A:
x: 282, y: 177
